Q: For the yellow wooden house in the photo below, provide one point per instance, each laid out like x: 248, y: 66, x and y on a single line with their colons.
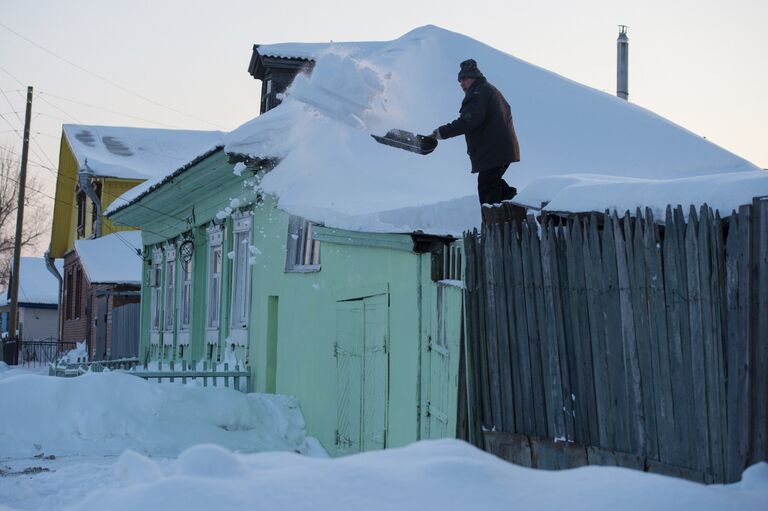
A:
x: 98, y: 164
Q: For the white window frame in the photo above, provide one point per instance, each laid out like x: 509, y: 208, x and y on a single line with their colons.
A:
x: 169, y: 316
x: 213, y: 288
x: 240, y: 302
x: 155, y: 283
x: 302, y: 250
x: 186, y: 276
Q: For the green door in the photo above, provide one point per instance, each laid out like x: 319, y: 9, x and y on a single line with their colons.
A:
x: 348, y: 351
x: 362, y: 374
x: 375, y: 373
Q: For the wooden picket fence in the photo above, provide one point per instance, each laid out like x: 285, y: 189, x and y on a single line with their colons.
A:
x: 620, y: 340
x: 237, y: 378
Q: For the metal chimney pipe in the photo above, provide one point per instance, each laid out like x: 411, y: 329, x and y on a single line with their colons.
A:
x: 622, y: 63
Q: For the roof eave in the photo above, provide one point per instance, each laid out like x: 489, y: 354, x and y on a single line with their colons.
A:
x: 259, y: 63
x: 165, y: 180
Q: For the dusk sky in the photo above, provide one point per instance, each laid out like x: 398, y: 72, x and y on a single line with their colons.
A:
x: 183, y: 64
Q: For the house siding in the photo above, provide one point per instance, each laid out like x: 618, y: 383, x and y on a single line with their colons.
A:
x: 299, y: 358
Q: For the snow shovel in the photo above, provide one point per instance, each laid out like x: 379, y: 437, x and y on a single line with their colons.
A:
x: 420, y: 144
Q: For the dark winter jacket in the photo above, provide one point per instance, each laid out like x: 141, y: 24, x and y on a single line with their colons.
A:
x: 486, y: 122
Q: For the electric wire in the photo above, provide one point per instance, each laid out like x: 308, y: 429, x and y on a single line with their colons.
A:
x: 96, y: 107
x: 113, y: 197
x: 66, y: 203
x: 105, y: 79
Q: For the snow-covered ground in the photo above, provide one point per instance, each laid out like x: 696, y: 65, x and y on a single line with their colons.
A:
x: 112, y: 441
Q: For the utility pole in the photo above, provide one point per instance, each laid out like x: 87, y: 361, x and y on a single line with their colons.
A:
x: 13, y: 323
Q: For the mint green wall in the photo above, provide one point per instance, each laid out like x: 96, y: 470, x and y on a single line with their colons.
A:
x: 305, y: 303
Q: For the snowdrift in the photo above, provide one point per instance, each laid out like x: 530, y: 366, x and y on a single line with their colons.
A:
x: 445, y: 475
x: 106, y: 413
x: 582, y: 149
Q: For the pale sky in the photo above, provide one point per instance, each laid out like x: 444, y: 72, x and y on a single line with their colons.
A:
x: 700, y: 63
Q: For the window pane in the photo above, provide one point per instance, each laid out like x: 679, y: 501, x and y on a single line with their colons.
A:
x: 214, y: 288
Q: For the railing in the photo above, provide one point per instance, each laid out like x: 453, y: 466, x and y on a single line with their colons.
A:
x: 35, y: 353
x: 214, y: 375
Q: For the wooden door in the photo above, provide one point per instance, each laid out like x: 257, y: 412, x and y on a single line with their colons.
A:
x: 442, y: 365
x: 348, y: 351
x: 362, y: 374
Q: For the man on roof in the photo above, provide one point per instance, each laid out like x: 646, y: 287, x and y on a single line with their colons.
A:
x: 485, y: 120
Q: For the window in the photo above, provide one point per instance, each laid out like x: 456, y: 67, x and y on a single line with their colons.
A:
x: 303, y: 252
x: 215, y: 240
x: 78, y: 292
x: 96, y: 186
x: 241, y: 271
x: 80, y: 213
x: 68, y: 294
x: 155, y: 282
x: 170, y: 287
x: 186, y: 294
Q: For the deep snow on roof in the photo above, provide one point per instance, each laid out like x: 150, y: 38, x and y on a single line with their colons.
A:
x: 111, y: 259
x: 582, y: 149
x: 136, y: 153
x: 311, y: 51
x: 37, y: 284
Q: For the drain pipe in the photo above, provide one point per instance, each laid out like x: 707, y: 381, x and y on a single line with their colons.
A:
x: 50, y: 264
x: 85, y: 183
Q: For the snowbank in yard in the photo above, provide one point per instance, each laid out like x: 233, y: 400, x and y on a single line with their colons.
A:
x: 106, y: 413
x: 445, y: 474
x: 582, y: 149
x: 112, y: 259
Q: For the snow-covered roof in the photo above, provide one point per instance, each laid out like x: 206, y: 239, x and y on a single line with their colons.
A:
x: 582, y: 149
x: 136, y: 153
x: 111, y: 259
x: 37, y: 284
x: 311, y: 51
x: 140, y: 190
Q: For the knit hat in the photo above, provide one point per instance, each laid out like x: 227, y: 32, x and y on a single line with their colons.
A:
x: 469, y: 70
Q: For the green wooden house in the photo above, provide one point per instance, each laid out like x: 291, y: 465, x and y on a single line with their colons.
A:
x: 363, y: 328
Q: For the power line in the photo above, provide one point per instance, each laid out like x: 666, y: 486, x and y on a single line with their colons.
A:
x: 11, y: 105
x: 59, y: 109
x: 100, y: 77
x: 114, y: 197
x: 51, y: 116
x: 66, y: 203
x: 12, y: 76
x: 136, y: 204
x: 96, y: 107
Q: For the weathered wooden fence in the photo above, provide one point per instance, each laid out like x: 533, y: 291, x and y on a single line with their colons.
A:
x: 618, y: 340
x: 125, y: 331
